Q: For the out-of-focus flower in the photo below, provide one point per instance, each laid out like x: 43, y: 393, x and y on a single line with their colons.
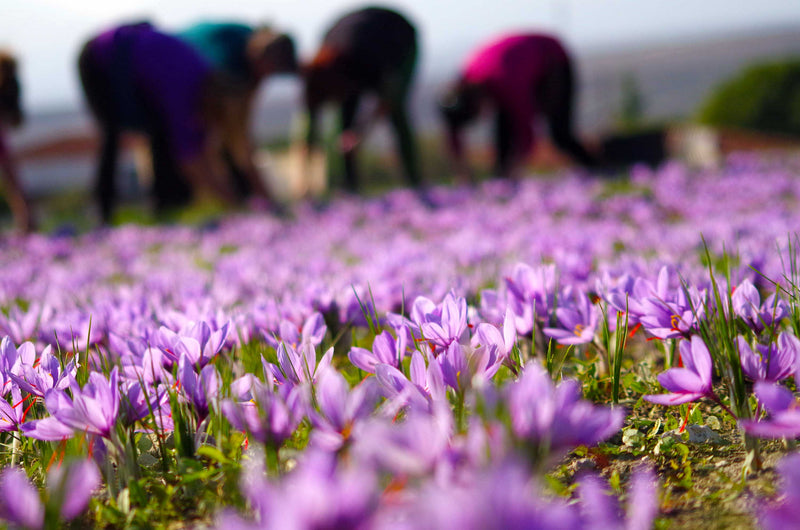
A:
x: 198, y: 389
x: 267, y: 416
x: 785, y: 513
x: 531, y: 294
x: 772, y: 363
x: 298, y: 365
x: 340, y: 408
x: 600, y: 509
x: 72, y: 484
x: 555, y: 418
x: 691, y: 382
x: 783, y: 409
x: 319, y: 493
x: 311, y: 332
x: 747, y: 304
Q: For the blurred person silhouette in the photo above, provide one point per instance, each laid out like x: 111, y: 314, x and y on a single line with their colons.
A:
x: 369, y: 51
x: 521, y: 77
x: 136, y: 78
x: 243, y: 57
x: 11, y: 116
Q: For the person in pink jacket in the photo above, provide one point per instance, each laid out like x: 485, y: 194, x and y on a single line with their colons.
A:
x: 522, y: 77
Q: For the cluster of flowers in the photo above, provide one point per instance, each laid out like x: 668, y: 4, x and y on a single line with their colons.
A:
x: 113, y: 330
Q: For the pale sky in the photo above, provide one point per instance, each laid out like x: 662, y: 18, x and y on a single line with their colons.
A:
x: 47, y: 34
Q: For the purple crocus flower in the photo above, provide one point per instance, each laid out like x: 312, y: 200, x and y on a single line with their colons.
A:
x: 196, y: 340
x: 319, y: 493
x: 312, y: 331
x: 73, y: 484
x: 200, y: 388
x: 785, y: 513
x: 43, y: 374
x: 441, y: 325
x: 92, y: 409
x: 773, y: 362
x: 399, y: 390
x: 746, y: 304
x: 11, y: 415
x: 691, y: 382
x: 556, y: 417
x: 578, y: 318
x: 500, y: 497
x: 267, y: 416
x: 599, y: 509
x: 298, y: 365
x: 22, y: 325
x: 26, y: 509
x: 667, y: 319
x: 531, y: 294
x: 783, y: 409
x: 340, y: 408
x: 385, y: 349
x: 462, y: 362
x: 413, y: 446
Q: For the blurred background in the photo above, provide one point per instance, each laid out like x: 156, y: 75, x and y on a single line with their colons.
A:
x: 641, y: 63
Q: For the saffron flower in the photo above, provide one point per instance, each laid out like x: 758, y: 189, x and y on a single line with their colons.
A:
x: 783, y: 409
x: 746, y: 303
x: 599, y: 509
x: 72, y: 484
x: 691, y: 382
x: 555, y: 418
x: 92, y: 409
x: 385, y: 349
x: 772, y: 363
x: 786, y: 512
x: 578, y: 318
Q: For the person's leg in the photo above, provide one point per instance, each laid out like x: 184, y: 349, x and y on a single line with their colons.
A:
x: 349, y: 111
x: 395, y: 92
x: 502, y: 144
x: 169, y: 187
x: 97, y: 89
x: 557, y: 97
x: 105, y: 188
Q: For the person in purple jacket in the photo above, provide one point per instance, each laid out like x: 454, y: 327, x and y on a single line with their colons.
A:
x: 522, y: 77
x: 136, y: 78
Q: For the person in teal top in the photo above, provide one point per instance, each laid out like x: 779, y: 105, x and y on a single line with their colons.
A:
x: 224, y: 45
x: 243, y: 57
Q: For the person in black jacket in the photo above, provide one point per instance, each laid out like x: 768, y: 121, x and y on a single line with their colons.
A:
x: 369, y: 51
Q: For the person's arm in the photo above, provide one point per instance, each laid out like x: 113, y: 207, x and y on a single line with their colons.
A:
x: 455, y: 142
x: 208, y: 176
x: 236, y: 137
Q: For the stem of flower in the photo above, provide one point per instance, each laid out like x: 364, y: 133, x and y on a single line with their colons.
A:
x: 713, y: 397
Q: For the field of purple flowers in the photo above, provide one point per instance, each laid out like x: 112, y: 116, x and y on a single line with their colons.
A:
x: 538, y: 355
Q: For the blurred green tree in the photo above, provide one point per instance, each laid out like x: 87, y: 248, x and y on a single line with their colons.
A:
x: 763, y: 97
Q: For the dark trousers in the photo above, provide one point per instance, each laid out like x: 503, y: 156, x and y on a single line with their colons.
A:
x: 117, y: 107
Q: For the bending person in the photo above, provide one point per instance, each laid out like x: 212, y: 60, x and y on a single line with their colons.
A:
x: 521, y: 77
x: 11, y: 116
x: 138, y: 79
x: 243, y: 57
x: 370, y: 51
